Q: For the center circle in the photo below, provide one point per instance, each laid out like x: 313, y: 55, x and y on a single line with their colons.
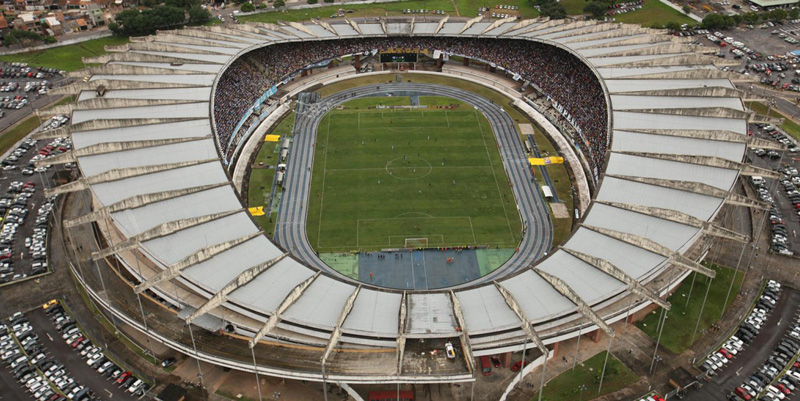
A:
x: 408, y: 168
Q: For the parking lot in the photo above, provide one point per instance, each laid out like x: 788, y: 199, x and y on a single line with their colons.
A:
x: 17, y: 77
x: 761, y: 52
x: 784, y: 217
x: 753, y: 356
x: 25, y: 214
x: 74, y: 366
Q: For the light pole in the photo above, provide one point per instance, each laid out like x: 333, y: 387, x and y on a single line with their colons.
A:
x: 581, y: 388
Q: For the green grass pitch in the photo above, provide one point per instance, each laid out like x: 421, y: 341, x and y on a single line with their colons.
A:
x: 384, y: 175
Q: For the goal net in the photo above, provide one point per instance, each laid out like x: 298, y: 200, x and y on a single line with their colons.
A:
x: 416, y: 242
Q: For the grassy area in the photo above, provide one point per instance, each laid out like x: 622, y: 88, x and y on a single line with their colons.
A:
x: 67, y: 58
x: 263, y: 172
x: 654, y: 12
x: 682, y: 318
x: 574, y: 7
x: 427, y: 173
x: 360, y: 10
x: 791, y: 127
x: 567, y: 386
x: 469, y: 8
x: 24, y: 127
x: 558, y: 173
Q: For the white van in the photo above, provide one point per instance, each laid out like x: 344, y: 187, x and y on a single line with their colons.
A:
x: 757, y: 180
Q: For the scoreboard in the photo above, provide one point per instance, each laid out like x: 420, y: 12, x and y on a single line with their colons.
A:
x: 398, y: 57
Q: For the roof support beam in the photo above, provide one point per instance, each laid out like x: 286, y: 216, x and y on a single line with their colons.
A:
x: 158, y: 231
x: 697, y: 188
x: 302, y: 28
x: 401, y: 329
x: 585, y: 309
x: 681, y: 218
x: 469, y: 23
x: 354, y: 25
x: 652, y: 246
x: 525, y: 322
x: 709, y: 161
x: 498, y: 23
x: 243, y: 278
x: 326, y: 25
x: 466, y: 347
x: 337, y: 330
x: 613, y: 271
x: 119, y: 174
x: 137, y: 201
x: 198, y: 257
x: 290, y: 299
x: 715, y: 135
x: 110, y: 147
x: 441, y: 23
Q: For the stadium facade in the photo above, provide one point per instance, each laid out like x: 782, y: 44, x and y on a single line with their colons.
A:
x: 172, y: 227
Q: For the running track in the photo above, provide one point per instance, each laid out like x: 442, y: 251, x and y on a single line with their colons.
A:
x: 290, y: 229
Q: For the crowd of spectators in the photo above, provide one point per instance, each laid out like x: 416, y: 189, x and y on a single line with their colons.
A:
x: 560, y: 75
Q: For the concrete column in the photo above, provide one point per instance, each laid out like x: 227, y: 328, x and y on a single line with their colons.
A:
x: 595, y: 335
x: 466, y: 62
x: 505, y: 359
x: 555, y: 349
x: 439, y: 63
x: 357, y: 62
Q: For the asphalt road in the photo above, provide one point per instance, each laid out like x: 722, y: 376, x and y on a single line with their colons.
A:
x: 76, y: 367
x: 753, y: 356
x: 290, y: 230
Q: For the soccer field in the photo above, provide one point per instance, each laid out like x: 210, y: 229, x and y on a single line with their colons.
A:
x: 387, y: 178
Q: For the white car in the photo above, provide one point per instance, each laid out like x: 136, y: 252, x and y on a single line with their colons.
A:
x: 135, y: 386
x: 777, y: 393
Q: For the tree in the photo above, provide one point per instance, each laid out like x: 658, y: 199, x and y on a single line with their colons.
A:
x: 328, y: 1
x: 312, y: 1
x: 552, y: 9
x: 139, y: 23
x: 278, y: 3
x: 199, y: 15
x: 686, y: 9
x: 794, y: 13
x: 673, y: 26
x: 777, y: 14
x: 717, y: 21
x: 248, y: 7
x: 596, y: 8
x: 750, y: 18
x: 24, y: 38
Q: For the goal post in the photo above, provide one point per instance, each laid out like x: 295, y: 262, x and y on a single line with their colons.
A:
x: 416, y: 243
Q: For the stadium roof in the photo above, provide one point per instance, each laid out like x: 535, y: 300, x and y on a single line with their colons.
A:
x: 655, y: 83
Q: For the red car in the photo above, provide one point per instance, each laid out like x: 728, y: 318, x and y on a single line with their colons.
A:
x: 496, y: 362
x: 657, y: 397
x: 783, y: 388
x: 517, y: 366
x: 742, y: 393
x: 725, y: 353
x: 124, y: 377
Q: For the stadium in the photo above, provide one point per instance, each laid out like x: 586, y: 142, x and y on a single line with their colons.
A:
x: 165, y: 130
